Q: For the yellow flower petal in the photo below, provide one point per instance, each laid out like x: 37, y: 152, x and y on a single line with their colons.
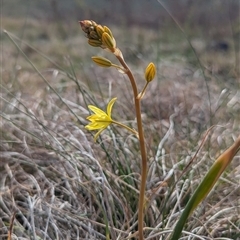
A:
x: 94, y: 126
x: 96, y: 110
x: 98, y: 118
x: 97, y: 134
x: 109, y: 107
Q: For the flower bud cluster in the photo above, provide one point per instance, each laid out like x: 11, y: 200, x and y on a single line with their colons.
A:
x: 98, y: 35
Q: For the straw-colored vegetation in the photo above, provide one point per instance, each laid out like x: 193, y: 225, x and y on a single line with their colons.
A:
x: 56, y: 183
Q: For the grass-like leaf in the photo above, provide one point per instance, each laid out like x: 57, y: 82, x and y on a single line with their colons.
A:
x: 206, y: 185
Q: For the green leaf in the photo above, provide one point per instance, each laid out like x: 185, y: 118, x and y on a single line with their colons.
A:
x: 205, y: 186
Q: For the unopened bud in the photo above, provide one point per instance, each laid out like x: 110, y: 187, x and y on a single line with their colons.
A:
x: 108, y: 41
x: 93, y: 35
x: 107, y: 30
x: 99, y: 30
x: 101, y: 61
x: 87, y: 25
x: 94, y: 43
x: 150, y: 72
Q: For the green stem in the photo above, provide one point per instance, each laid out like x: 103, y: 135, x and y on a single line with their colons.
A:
x: 141, y: 94
x: 144, y: 168
x: 126, y: 127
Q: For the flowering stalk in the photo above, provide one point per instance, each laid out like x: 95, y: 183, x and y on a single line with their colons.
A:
x: 144, y: 167
x: 101, y: 36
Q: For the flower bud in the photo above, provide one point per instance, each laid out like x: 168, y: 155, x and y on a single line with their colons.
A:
x: 99, y: 30
x: 107, y: 30
x: 150, y: 72
x: 93, y: 35
x: 87, y: 25
x: 101, y: 61
x: 94, y: 43
x: 108, y: 41
x: 98, y: 35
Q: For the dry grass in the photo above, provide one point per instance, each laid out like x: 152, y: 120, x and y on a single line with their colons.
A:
x: 57, y: 184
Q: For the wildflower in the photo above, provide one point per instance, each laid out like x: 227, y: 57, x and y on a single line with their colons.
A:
x: 100, y: 120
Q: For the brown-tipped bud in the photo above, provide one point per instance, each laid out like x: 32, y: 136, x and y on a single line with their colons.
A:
x: 94, y: 43
x: 108, y: 41
x: 150, y: 72
x: 87, y: 25
x: 99, y: 30
x: 101, y: 61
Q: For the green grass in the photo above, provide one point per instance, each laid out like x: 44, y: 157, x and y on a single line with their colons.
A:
x: 62, y: 185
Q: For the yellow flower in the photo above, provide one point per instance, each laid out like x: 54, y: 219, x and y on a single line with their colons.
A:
x: 100, y: 120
